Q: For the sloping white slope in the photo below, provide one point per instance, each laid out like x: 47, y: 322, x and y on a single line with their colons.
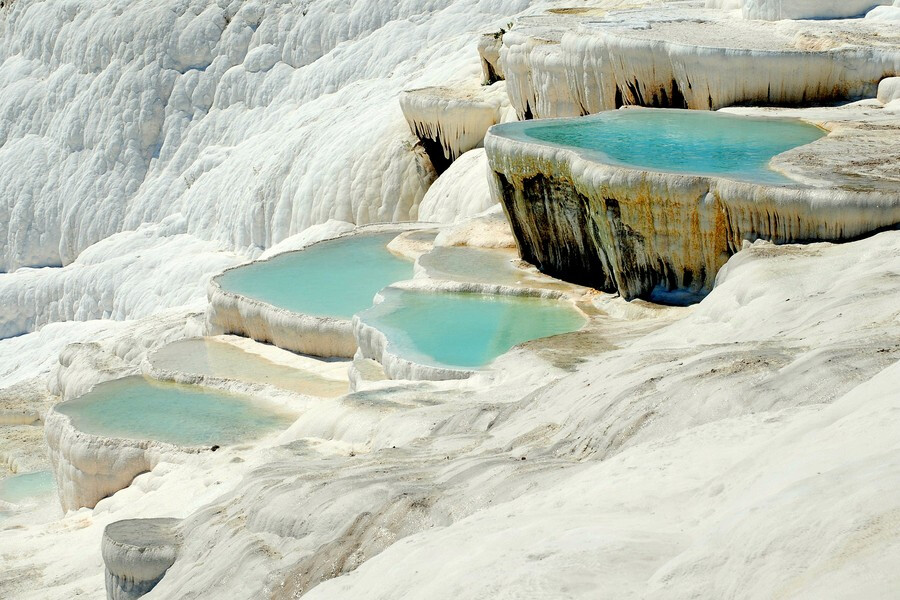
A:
x: 462, y: 191
x: 747, y: 449
x: 126, y: 276
x: 252, y: 119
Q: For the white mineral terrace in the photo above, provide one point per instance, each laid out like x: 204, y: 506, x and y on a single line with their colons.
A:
x: 317, y: 335
x: 682, y: 228
x: 774, y: 10
x: 452, y: 121
x: 136, y: 554
x: 280, y: 315
x: 577, y: 63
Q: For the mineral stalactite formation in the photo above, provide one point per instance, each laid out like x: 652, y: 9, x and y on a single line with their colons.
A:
x: 674, y: 57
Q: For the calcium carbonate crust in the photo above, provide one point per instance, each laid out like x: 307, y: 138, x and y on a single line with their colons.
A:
x: 89, y: 467
x: 450, y: 121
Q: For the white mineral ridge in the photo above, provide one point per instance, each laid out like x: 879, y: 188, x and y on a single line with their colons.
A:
x: 33, y: 354
x: 572, y: 65
x: 889, y: 90
x: 254, y: 120
x: 128, y: 275
x: 885, y: 13
x: 748, y: 449
x: 456, y: 118
x: 745, y: 447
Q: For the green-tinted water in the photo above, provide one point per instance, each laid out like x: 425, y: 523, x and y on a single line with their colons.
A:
x: 680, y: 141
x: 27, y: 486
x: 465, y: 330
x: 337, y: 278
x: 143, y: 409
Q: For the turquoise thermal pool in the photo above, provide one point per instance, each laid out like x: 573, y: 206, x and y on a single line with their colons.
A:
x: 465, y: 330
x: 676, y: 141
x: 143, y: 409
x: 27, y: 487
x: 336, y: 278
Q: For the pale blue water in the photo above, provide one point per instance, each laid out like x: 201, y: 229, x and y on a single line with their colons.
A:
x: 144, y: 409
x: 27, y: 486
x: 337, y: 278
x: 679, y: 141
x: 465, y: 330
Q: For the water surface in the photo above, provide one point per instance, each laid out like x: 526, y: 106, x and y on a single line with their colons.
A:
x: 188, y: 415
x: 27, y: 487
x: 465, y: 330
x: 678, y: 141
x: 213, y: 358
x: 337, y: 278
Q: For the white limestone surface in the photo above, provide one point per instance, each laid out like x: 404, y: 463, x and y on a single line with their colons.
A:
x: 669, y: 464
x: 110, y: 280
x: 885, y: 13
x: 489, y: 50
x: 708, y: 458
x: 684, y: 56
x: 889, y: 90
x: 460, y: 192
x: 715, y: 440
x: 88, y: 467
x: 137, y: 553
x: 451, y: 120
x: 252, y: 120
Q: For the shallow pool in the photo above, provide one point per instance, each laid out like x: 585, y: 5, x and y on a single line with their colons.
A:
x: 27, y: 487
x: 203, y: 356
x: 680, y: 141
x: 144, y: 409
x: 337, y: 278
x: 465, y: 330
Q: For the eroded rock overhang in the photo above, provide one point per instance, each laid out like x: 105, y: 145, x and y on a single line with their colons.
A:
x: 688, y: 57
x: 449, y: 121
x: 640, y: 232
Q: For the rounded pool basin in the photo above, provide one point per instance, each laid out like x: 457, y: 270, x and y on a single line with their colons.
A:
x: 185, y: 415
x: 27, y: 487
x: 335, y: 278
x: 465, y: 330
x: 675, y: 141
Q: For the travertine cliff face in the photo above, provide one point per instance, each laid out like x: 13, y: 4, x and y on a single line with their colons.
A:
x: 560, y: 66
x: 640, y: 232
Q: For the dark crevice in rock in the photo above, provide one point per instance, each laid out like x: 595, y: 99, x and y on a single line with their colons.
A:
x: 434, y: 149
